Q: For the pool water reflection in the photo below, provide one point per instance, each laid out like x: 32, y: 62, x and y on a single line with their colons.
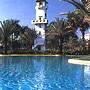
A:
x: 42, y: 73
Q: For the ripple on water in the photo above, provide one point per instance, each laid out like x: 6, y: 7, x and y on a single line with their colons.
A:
x: 42, y: 73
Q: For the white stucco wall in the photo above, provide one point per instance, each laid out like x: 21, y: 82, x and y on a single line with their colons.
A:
x: 40, y: 12
x: 87, y: 36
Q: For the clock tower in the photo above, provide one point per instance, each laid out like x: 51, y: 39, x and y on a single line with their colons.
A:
x: 40, y: 24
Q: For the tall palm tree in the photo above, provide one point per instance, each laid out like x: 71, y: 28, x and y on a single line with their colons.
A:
x: 51, y: 37
x: 76, y: 21
x: 58, y: 31
x: 83, y: 27
x: 7, y: 27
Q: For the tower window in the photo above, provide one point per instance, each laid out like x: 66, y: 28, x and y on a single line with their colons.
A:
x: 40, y: 3
x: 40, y: 17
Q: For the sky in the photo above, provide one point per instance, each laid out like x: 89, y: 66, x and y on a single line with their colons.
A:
x: 24, y: 10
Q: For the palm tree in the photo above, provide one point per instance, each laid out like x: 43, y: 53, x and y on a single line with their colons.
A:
x: 79, y: 5
x: 51, y: 37
x: 83, y: 27
x: 58, y: 30
x: 7, y: 27
x: 27, y: 36
x: 76, y: 20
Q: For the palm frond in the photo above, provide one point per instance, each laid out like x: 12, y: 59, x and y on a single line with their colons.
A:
x: 79, y: 6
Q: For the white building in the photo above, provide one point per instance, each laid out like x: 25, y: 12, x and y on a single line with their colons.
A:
x: 40, y: 24
x: 87, y: 36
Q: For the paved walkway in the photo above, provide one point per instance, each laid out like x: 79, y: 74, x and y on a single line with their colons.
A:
x: 81, y: 60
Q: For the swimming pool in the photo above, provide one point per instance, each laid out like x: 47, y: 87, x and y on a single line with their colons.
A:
x: 42, y: 73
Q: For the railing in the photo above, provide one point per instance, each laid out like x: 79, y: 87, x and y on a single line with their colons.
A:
x: 39, y: 21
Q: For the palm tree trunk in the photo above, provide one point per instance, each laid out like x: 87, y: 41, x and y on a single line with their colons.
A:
x: 83, y: 46
x: 61, y: 44
x: 5, y: 42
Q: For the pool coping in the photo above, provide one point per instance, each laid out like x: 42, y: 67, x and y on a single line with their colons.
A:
x: 27, y: 55
x: 71, y: 61
x: 70, y: 56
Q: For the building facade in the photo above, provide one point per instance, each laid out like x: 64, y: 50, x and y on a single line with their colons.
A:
x: 40, y: 24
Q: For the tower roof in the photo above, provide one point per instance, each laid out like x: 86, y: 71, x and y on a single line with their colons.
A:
x: 41, y: 0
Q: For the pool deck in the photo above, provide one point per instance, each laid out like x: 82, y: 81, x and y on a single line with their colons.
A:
x: 81, y: 60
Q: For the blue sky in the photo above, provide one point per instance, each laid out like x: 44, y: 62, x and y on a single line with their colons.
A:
x: 24, y: 10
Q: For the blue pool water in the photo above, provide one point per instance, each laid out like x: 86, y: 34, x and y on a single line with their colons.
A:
x: 42, y: 73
